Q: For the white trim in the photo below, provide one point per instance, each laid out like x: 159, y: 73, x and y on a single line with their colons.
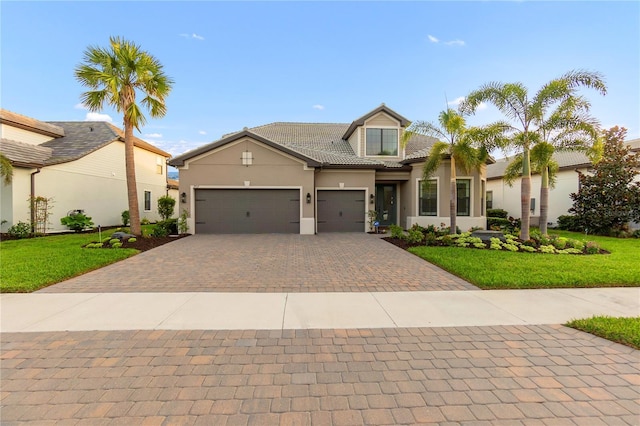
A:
x: 352, y: 188
x: 418, y: 185
x: 300, y: 188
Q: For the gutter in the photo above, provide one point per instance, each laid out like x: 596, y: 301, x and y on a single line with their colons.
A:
x: 33, y: 196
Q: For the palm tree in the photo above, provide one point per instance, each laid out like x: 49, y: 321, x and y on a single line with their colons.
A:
x: 114, y: 75
x: 6, y: 169
x: 534, y: 120
x: 457, y: 144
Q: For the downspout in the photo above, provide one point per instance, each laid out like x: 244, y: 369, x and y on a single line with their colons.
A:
x: 32, y: 198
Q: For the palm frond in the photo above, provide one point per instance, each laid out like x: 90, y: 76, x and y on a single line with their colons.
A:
x: 513, y: 170
x: 6, y: 169
x: 436, y: 155
x: 466, y: 156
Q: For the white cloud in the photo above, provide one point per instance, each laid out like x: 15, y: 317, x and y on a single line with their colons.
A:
x: 95, y: 116
x: 455, y: 43
x: 457, y: 101
x: 80, y: 106
x: 318, y: 107
x: 153, y: 135
x: 192, y: 35
x: 202, y: 132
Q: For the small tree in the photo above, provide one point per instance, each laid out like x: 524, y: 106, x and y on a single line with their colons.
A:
x: 609, y: 199
x: 166, y: 204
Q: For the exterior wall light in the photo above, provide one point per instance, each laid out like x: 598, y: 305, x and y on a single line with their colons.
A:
x: 372, y: 198
x: 308, y: 198
x: 183, y: 197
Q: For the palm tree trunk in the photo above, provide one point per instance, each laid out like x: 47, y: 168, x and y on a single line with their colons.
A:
x: 525, y: 195
x: 453, y: 201
x: 130, y: 169
x: 544, y: 200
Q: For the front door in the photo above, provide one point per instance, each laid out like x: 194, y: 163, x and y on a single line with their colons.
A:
x: 386, y: 204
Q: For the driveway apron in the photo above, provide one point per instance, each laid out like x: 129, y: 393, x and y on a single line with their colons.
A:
x: 352, y: 262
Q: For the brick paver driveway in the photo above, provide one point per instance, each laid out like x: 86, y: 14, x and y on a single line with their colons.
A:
x: 269, y: 263
x: 481, y: 375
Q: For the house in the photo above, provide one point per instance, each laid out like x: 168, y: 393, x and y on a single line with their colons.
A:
x: 502, y: 196
x: 308, y: 178
x: 80, y: 166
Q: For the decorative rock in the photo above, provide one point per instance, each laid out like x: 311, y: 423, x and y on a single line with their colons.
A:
x: 122, y: 235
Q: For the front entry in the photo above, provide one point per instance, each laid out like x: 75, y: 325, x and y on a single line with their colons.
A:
x: 386, y: 204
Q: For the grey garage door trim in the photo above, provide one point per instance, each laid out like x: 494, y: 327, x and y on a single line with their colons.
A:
x: 247, y: 210
x: 341, y: 210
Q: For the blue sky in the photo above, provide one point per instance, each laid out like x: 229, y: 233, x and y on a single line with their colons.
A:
x: 238, y: 64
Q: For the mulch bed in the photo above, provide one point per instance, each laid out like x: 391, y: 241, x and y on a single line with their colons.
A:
x: 147, y: 243
x: 400, y: 243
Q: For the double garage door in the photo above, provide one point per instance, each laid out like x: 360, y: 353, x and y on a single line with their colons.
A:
x: 247, y: 211
x: 259, y: 211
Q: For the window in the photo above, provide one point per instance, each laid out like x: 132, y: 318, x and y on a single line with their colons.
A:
x: 428, y: 198
x: 382, y: 142
x: 464, y: 197
x: 159, y: 165
x: 247, y: 158
x: 147, y: 201
x: 489, y: 200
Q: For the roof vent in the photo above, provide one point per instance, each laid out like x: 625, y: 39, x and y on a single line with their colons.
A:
x: 245, y: 128
x: 91, y: 129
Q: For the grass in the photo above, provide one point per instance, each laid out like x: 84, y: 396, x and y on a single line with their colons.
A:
x: 30, y: 264
x: 489, y: 269
x: 620, y: 330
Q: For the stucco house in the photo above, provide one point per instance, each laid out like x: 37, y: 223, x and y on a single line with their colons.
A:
x: 80, y: 165
x: 308, y: 178
x: 502, y: 196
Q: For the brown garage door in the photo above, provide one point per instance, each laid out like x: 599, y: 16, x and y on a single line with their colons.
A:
x: 341, y: 211
x: 247, y: 211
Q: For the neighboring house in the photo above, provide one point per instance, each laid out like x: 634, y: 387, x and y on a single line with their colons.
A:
x: 305, y: 178
x: 502, y: 196
x: 80, y: 165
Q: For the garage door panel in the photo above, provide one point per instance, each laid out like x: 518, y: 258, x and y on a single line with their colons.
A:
x: 341, y: 211
x: 247, y: 211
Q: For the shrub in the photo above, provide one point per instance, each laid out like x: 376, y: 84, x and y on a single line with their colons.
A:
x: 510, y: 247
x: 479, y: 245
x: 549, y: 249
x: 396, y: 231
x: 113, y: 241
x: 116, y: 245
x: 528, y: 248
x: 165, y: 227
x: 19, y: 230
x: 77, y: 222
x: 569, y: 223
x: 497, y: 222
x: 144, y: 221
x: 592, y: 248
x: 430, y: 239
x: 166, y: 205
x: 636, y: 233
x: 497, y: 213
x: 560, y: 243
x: 183, y: 227
x: 415, y: 235
x: 132, y: 240
x: 94, y: 245
x: 125, y: 218
x: 447, y: 240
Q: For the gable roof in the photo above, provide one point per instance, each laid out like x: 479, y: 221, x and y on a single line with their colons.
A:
x: 84, y: 137
x: 22, y: 154
x: 382, y: 108
x: 320, y: 144
x: 31, y: 124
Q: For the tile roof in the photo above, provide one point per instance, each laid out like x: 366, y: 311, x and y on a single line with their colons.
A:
x: 84, y: 137
x: 31, y: 124
x: 24, y: 154
x: 320, y: 142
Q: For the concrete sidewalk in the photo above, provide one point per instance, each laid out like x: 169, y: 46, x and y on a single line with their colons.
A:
x: 39, y: 312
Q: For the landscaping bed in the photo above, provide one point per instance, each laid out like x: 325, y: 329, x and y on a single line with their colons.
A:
x: 140, y: 244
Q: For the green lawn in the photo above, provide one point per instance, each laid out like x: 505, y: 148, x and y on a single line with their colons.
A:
x: 489, y: 269
x: 30, y: 264
x: 621, y: 330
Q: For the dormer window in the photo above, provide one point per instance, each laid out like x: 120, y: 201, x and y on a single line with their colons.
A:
x: 382, y: 142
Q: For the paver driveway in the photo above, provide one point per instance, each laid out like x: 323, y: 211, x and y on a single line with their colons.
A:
x: 269, y: 263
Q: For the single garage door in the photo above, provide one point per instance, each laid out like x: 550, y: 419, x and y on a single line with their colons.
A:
x: 247, y: 211
x: 341, y: 211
